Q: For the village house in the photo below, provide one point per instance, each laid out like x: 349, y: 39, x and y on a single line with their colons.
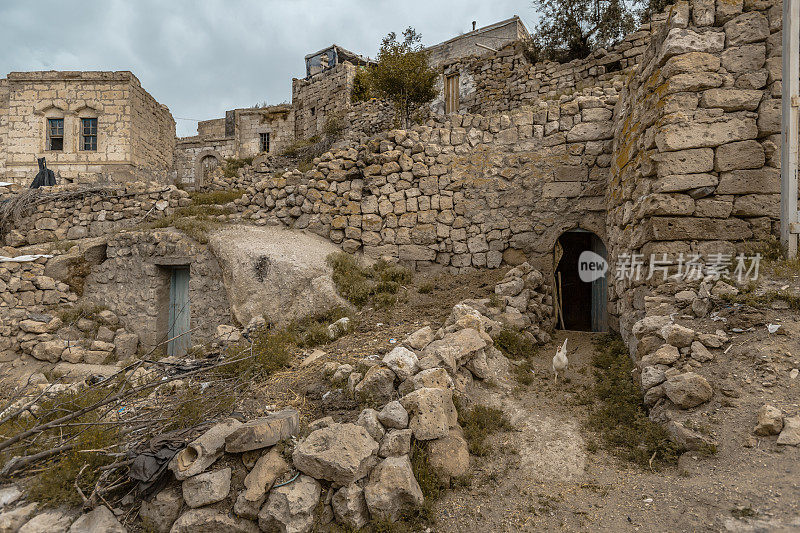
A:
x: 83, y: 123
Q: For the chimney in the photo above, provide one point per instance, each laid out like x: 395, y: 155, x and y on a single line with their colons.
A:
x: 473, y: 24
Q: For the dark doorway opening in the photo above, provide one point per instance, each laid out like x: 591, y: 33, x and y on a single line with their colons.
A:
x: 582, y: 304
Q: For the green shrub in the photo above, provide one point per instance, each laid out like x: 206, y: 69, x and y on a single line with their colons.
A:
x: 515, y: 345
x: 479, y: 422
x: 379, y: 284
x: 231, y: 166
x: 616, y: 411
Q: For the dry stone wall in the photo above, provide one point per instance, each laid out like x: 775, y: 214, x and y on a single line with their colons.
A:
x: 323, y: 95
x: 77, y: 211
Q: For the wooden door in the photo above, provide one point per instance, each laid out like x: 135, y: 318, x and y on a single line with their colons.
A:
x: 451, y: 93
x: 179, y: 313
x: 600, y: 290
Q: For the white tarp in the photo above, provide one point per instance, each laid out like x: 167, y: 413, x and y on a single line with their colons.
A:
x: 22, y: 258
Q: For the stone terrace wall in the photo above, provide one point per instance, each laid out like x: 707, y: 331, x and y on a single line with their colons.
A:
x: 502, y: 81
x: 104, y: 210
x: 458, y: 192
x: 696, y: 151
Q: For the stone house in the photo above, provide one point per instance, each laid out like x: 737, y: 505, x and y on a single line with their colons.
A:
x: 84, y: 123
x: 242, y: 133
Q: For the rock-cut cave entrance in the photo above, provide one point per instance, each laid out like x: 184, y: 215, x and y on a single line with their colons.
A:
x: 581, y: 287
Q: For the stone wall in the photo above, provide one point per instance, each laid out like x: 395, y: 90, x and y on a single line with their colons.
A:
x: 458, y: 192
x: 316, y: 98
x: 75, y: 212
x: 135, y: 138
x: 696, y: 152
x: 134, y: 282
x: 495, y: 36
x: 496, y: 82
x: 196, y: 156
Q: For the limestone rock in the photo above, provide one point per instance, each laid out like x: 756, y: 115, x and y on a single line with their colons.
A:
x: 666, y: 355
x: 403, y: 362
x: 652, y: 376
x: 449, y: 456
x: 393, y: 415
x: 392, y: 488
x: 350, y: 507
x: 677, y: 335
x: 649, y: 325
x: 377, y: 385
x: 430, y: 378
x: 770, y: 421
x: 396, y: 442
x: 454, y: 349
x: 211, y: 521
x: 162, y: 510
x: 342, y: 453
x: 263, y: 432
x: 687, y: 438
x: 276, y: 272
x: 688, y: 390
x: 790, y: 435
x: 700, y: 352
x: 431, y: 411
x: 99, y: 520
x: 260, y: 479
x: 203, y: 451
x: 52, y: 521
x: 368, y: 419
x: 420, y: 338
x: 207, y: 488
x: 290, y: 508
x: 10, y: 521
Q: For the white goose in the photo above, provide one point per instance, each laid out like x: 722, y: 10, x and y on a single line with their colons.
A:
x: 560, y: 361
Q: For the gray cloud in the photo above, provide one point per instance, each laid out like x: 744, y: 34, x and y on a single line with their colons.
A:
x: 203, y: 57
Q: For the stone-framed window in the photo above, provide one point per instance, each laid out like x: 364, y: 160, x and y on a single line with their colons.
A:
x: 263, y: 139
x: 89, y: 134
x: 55, y: 134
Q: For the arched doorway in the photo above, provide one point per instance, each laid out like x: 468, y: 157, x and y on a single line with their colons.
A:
x: 580, y: 266
x: 207, y: 164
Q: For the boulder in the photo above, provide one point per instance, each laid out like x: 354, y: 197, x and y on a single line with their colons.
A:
x: 207, y: 488
x: 649, y: 325
x: 666, y: 355
x: 290, y: 508
x: 770, y: 421
x: 790, y: 435
x: 403, y: 362
x: 420, y: 338
x: 10, y: 521
x: 377, y: 386
x: 263, y: 432
x: 211, y: 521
x: 276, y: 272
x: 396, y: 442
x: 203, y: 451
x: 98, y: 520
x: 431, y: 411
x: 688, y: 390
x: 449, y: 456
x: 52, y: 521
x: 392, y: 489
x: 258, y: 481
x: 393, y: 415
x: 162, y: 510
x: 341, y: 453
x: 368, y: 419
x: 452, y: 350
x: 350, y: 507
x: 652, y: 376
x: 11, y: 493
x: 436, y: 378
x: 688, y: 438
x: 700, y: 352
x: 677, y: 335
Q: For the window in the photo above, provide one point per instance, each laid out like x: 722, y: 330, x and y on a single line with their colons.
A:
x: 55, y: 134
x: 264, y: 137
x: 89, y: 134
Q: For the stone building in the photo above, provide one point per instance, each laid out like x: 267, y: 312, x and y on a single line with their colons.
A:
x: 478, y: 42
x: 242, y: 133
x: 84, y: 123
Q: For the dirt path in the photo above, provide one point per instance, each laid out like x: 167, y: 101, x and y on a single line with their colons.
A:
x: 541, y: 476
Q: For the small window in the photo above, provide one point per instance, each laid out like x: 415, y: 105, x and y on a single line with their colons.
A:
x: 55, y: 134
x: 313, y: 111
x: 264, y: 137
x: 89, y: 134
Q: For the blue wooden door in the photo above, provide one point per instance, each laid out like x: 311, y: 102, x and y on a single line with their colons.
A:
x: 179, y: 312
x: 600, y: 290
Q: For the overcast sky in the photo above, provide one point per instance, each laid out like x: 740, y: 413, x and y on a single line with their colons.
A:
x: 202, y: 57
